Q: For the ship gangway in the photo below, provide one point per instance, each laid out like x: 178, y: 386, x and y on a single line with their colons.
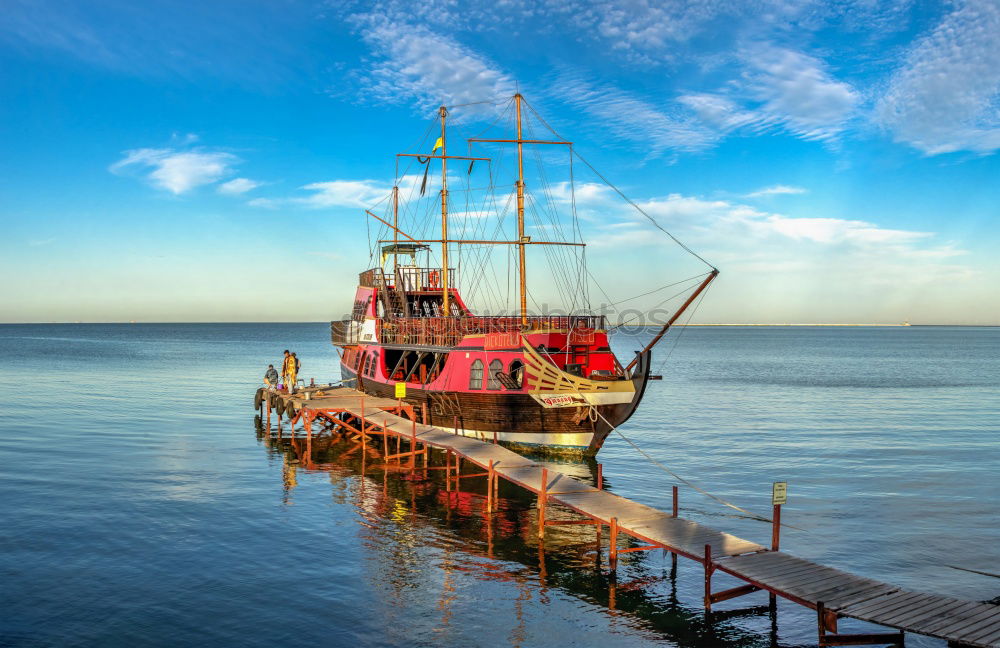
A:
x: 832, y: 593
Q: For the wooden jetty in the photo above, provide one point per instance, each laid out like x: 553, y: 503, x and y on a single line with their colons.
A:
x: 832, y: 593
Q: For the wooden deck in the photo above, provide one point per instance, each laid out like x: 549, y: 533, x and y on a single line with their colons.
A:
x: 831, y: 592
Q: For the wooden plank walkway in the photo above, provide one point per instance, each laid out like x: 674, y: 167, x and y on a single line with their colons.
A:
x: 832, y: 592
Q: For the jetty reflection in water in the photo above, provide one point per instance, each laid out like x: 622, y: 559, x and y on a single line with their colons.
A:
x: 403, y: 507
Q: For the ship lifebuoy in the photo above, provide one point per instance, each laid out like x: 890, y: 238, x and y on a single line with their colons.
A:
x: 432, y: 278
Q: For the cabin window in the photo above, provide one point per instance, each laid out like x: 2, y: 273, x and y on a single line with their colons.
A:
x: 363, y: 365
x: 492, y: 382
x: 373, y: 365
x: 476, y: 375
x: 516, y: 372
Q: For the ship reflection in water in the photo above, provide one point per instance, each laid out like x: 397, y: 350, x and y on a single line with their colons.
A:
x: 403, y: 508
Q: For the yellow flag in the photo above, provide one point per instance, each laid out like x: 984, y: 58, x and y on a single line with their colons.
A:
x: 438, y: 144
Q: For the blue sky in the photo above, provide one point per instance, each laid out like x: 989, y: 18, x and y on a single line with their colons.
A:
x: 209, y: 161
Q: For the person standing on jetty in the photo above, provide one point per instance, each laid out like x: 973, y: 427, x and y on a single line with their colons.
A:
x: 286, y: 370
x: 294, y: 371
x: 271, y: 376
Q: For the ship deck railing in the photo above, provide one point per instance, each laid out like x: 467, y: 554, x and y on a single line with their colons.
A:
x: 500, y: 331
x: 410, y: 279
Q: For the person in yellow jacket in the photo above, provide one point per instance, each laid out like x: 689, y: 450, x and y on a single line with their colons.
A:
x: 293, y: 371
x: 285, y: 370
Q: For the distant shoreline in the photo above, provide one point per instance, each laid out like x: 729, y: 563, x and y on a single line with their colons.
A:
x: 834, y: 325
x: 800, y: 325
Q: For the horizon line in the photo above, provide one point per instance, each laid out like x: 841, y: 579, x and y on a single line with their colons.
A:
x: 707, y: 324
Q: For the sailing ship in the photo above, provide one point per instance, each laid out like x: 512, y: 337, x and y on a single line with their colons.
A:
x: 532, y: 381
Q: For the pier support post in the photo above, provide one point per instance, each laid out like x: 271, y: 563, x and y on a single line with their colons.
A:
x: 776, y: 527
x: 600, y: 477
x: 613, y: 546
x: 541, y: 503
x: 309, y: 440
x: 674, y: 510
x: 490, y: 488
x: 821, y: 621
x: 413, y: 448
x: 597, y: 560
x: 447, y: 471
x: 709, y: 568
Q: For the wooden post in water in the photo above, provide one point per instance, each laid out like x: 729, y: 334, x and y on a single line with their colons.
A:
x: 776, y: 527
x: 309, y: 440
x: 413, y: 448
x: 447, y: 469
x: 490, y: 488
x: 600, y: 477
x: 613, y: 546
x: 673, y: 554
x: 709, y: 568
x: 598, y: 526
x: 541, y: 503
x: 821, y: 621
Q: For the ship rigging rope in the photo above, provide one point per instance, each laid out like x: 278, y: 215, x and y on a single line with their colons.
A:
x: 674, y: 296
x: 619, y: 191
x: 656, y: 290
x: 749, y: 514
x: 677, y: 338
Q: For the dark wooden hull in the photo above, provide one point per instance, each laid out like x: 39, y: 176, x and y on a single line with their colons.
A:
x: 515, y: 419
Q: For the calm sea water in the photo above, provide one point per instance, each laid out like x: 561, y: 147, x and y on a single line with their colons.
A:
x: 141, y: 507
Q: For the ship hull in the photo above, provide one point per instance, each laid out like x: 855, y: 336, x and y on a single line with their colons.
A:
x: 515, y: 420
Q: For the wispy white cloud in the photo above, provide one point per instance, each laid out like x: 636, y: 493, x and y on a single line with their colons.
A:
x: 177, y: 171
x: 643, y: 30
x: 946, y: 95
x: 333, y: 193
x: 238, y: 186
x: 779, y: 88
x: 414, y: 64
x: 798, y: 91
x: 636, y: 120
x: 776, y: 190
x: 747, y: 239
x: 721, y: 113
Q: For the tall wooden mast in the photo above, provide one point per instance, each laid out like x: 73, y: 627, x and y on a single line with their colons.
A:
x: 522, y: 279
x: 395, y: 231
x: 443, y: 111
x: 522, y: 240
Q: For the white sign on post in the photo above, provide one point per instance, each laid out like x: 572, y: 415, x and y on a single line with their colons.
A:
x: 779, y: 493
